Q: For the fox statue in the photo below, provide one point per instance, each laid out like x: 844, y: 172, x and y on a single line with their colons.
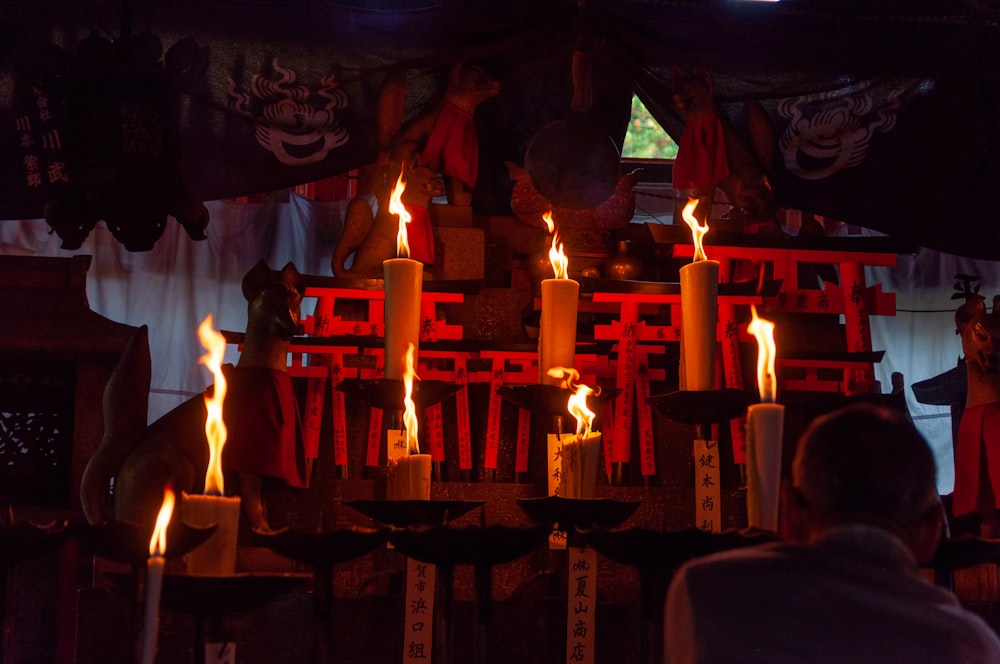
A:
x: 260, y: 412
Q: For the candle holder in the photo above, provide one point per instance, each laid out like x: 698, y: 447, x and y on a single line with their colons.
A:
x: 408, y: 513
x: 23, y: 541
x: 388, y: 393
x: 548, y: 400
x: 322, y: 551
x: 481, y: 547
x: 577, y: 514
x: 702, y: 407
x: 123, y: 542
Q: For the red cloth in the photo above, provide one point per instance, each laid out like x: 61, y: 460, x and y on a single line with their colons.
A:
x: 420, y: 234
x: 263, y: 424
x: 977, y: 460
x: 453, y: 146
x: 701, y: 154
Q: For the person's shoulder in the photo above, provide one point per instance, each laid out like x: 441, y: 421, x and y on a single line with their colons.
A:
x: 757, y: 556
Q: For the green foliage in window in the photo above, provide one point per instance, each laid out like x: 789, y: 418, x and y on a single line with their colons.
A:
x: 645, y: 138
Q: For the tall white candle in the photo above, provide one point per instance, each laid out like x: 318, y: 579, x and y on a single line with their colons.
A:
x: 765, y: 430
x: 557, y: 329
x: 699, y: 300
x: 154, y: 578
x: 403, y: 289
x: 765, y: 433
x: 151, y: 608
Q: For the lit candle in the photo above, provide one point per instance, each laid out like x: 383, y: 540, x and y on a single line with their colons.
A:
x: 217, y: 555
x: 409, y: 474
x: 581, y: 453
x: 154, y: 578
x: 403, y: 288
x: 699, y: 297
x: 560, y: 299
x: 765, y: 432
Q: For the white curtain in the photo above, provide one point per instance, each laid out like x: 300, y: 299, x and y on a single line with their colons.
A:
x: 173, y: 287
x: 920, y: 340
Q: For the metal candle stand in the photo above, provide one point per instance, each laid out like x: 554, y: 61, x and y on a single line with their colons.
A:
x: 576, y: 517
x: 419, y: 528
x: 550, y: 401
x: 128, y: 544
x: 656, y: 555
x: 322, y: 551
x: 387, y: 394
x: 481, y: 547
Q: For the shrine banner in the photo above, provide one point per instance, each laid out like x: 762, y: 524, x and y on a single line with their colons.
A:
x: 886, y: 121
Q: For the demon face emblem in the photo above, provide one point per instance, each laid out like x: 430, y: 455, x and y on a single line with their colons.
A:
x: 295, y: 122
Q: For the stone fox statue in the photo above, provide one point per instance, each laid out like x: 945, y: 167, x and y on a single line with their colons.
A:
x: 712, y: 153
x: 438, y: 152
x: 260, y: 411
x: 977, y: 447
x: 371, y: 234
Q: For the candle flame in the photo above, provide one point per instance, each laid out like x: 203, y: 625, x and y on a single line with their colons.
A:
x: 697, y: 230
x: 215, y: 426
x: 558, y: 260
x: 577, y: 403
x: 763, y: 331
x: 396, y: 207
x: 410, y: 410
x: 158, y: 542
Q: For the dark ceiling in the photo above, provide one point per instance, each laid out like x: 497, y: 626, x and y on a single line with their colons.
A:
x: 886, y: 112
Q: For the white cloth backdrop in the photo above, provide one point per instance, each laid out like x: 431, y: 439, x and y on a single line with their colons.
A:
x: 173, y: 287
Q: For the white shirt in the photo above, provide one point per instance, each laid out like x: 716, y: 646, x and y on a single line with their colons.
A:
x: 855, y: 595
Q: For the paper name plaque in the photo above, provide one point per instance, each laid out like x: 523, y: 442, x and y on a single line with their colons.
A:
x: 523, y: 440
x: 312, y: 420
x: 374, y: 437
x: 557, y: 538
x: 581, y: 605
x: 418, y: 623
x: 493, y: 415
x: 434, y: 425
x: 707, y: 508
x: 339, y: 411
x: 462, y: 415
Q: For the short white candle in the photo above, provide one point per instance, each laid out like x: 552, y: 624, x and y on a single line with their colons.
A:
x: 216, y: 556
x: 581, y: 455
x: 409, y: 478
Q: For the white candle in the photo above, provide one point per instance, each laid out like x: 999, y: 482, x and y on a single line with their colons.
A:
x: 557, y: 328
x: 409, y: 478
x: 151, y: 608
x: 403, y: 289
x: 216, y: 556
x: 580, y: 458
x: 699, y: 298
x: 765, y: 432
x: 154, y: 578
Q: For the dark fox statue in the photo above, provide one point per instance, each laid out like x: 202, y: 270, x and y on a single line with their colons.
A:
x: 259, y: 410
